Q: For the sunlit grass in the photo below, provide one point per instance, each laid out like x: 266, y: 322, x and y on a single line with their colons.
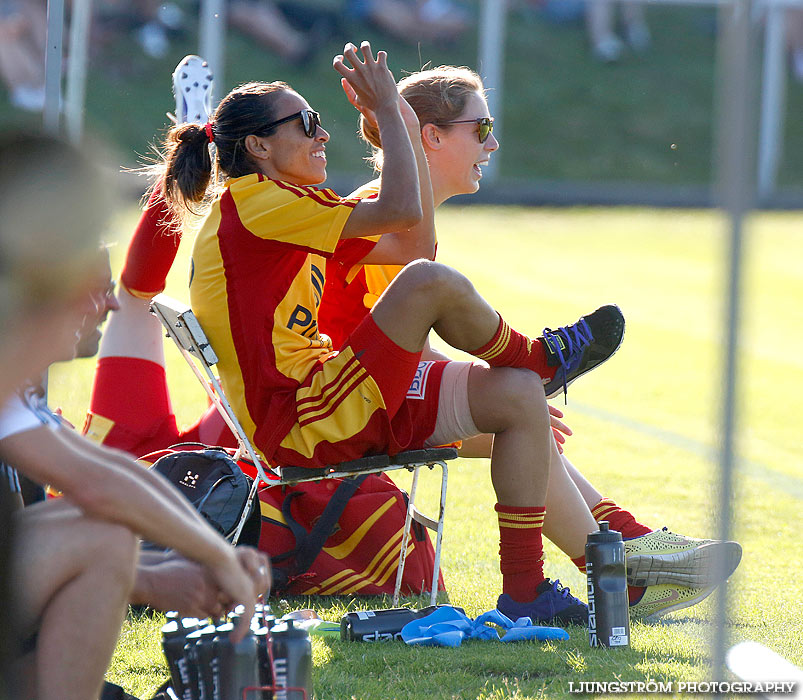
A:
x: 647, y: 427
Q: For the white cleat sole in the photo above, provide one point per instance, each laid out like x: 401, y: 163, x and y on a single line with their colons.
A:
x: 704, y: 566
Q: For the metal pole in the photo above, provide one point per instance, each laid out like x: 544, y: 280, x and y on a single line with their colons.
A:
x: 773, y: 100
x: 736, y: 132
x: 212, y: 41
x: 53, y: 60
x: 76, y: 70
x: 491, y: 65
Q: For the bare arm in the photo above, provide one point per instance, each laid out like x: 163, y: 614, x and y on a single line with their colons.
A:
x: 105, y: 490
x: 398, y: 206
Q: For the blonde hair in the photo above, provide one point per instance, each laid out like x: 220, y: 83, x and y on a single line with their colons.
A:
x: 437, y: 95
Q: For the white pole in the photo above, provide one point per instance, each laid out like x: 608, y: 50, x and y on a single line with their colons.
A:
x: 212, y: 41
x: 736, y: 133
x: 773, y: 100
x: 53, y: 60
x: 491, y: 67
x: 74, y: 106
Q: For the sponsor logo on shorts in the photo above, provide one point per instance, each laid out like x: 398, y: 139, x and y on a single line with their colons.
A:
x: 418, y: 389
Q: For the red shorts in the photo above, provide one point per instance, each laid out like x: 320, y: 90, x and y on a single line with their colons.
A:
x: 130, y: 410
x: 373, y: 397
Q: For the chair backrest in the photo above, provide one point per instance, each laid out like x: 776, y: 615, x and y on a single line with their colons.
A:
x: 186, y: 332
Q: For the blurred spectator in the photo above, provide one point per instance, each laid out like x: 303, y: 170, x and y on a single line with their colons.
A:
x: 413, y: 20
x: 606, y: 46
x: 152, y: 23
x: 74, y: 564
x: 23, y: 35
x: 264, y: 22
x: 794, y: 39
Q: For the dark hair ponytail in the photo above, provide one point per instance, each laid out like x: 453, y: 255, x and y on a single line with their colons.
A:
x: 188, y: 165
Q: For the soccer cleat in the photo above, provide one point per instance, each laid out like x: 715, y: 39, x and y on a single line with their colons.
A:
x: 582, y: 346
x: 662, y: 557
x: 554, y: 603
x: 665, y: 598
x: 192, y: 87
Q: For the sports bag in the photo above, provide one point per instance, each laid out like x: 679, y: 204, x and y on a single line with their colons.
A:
x: 343, y: 536
x: 213, y: 483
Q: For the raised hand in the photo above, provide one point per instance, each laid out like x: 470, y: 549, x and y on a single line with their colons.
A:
x: 373, y: 84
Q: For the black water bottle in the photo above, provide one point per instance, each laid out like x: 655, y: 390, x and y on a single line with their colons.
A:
x: 608, y: 611
x: 192, y: 650
x: 205, y: 652
x: 234, y: 666
x: 292, y: 662
x: 380, y: 625
x: 174, y: 638
x: 263, y: 662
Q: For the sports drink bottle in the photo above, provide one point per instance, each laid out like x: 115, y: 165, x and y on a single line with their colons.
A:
x: 380, y: 625
x: 292, y: 662
x: 174, y: 637
x: 234, y: 666
x: 608, y: 611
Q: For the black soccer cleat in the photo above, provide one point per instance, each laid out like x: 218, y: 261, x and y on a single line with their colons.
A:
x: 578, y: 348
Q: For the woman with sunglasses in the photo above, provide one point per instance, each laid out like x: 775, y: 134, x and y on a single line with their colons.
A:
x: 457, y: 138
x: 259, y: 265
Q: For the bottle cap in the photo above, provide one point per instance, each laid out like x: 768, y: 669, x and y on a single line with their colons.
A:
x: 604, y: 534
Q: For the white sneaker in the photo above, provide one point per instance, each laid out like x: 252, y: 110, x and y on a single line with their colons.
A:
x: 192, y: 87
x: 608, y: 49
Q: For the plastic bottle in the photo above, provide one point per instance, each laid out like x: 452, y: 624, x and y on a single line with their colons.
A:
x: 608, y: 610
x: 292, y: 662
x: 174, y: 637
x: 379, y: 625
x: 234, y: 666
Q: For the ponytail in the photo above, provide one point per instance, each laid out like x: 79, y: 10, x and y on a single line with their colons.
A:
x: 187, y: 166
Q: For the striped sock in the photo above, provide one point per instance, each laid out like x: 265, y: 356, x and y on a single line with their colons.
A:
x: 521, y: 550
x: 151, y: 251
x: 509, y: 348
x: 619, y: 519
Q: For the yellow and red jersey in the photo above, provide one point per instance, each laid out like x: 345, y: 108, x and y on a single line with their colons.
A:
x: 352, y: 289
x: 258, y: 274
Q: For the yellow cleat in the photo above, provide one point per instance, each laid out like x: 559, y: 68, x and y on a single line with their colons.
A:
x: 665, y: 598
x: 662, y: 557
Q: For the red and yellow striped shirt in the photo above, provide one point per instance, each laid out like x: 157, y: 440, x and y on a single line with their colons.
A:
x: 258, y: 273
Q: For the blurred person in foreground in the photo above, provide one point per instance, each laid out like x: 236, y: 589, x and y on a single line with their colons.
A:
x: 74, y: 562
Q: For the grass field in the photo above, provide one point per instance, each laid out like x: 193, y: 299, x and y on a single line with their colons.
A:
x: 646, y: 433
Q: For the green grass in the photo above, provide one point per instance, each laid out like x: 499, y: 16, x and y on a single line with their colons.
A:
x: 648, y: 119
x: 646, y: 430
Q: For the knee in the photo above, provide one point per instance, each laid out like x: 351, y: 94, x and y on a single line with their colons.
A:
x: 115, y: 552
x: 521, y: 392
x: 434, y: 280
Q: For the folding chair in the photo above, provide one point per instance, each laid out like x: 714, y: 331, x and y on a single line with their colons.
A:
x: 185, y: 330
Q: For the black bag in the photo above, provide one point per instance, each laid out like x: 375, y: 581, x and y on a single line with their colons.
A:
x: 213, y: 483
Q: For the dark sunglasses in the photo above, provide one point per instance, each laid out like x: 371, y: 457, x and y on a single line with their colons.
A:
x: 485, y: 126
x: 310, y: 120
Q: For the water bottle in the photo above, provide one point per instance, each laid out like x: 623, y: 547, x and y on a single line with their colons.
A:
x: 263, y: 662
x: 192, y: 651
x: 206, y: 653
x: 174, y: 638
x: 380, y: 625
x: 292, y: 662
x: 234, y: 666
x: 608, y: 609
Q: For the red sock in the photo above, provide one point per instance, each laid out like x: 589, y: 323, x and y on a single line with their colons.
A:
x: 580, y: 563
x: 619, y: 519
x: 152, y: 250
x: 509, y: 348
x: 521, y: 550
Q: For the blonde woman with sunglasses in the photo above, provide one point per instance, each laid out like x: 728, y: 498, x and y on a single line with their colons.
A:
x: 666, y: 571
